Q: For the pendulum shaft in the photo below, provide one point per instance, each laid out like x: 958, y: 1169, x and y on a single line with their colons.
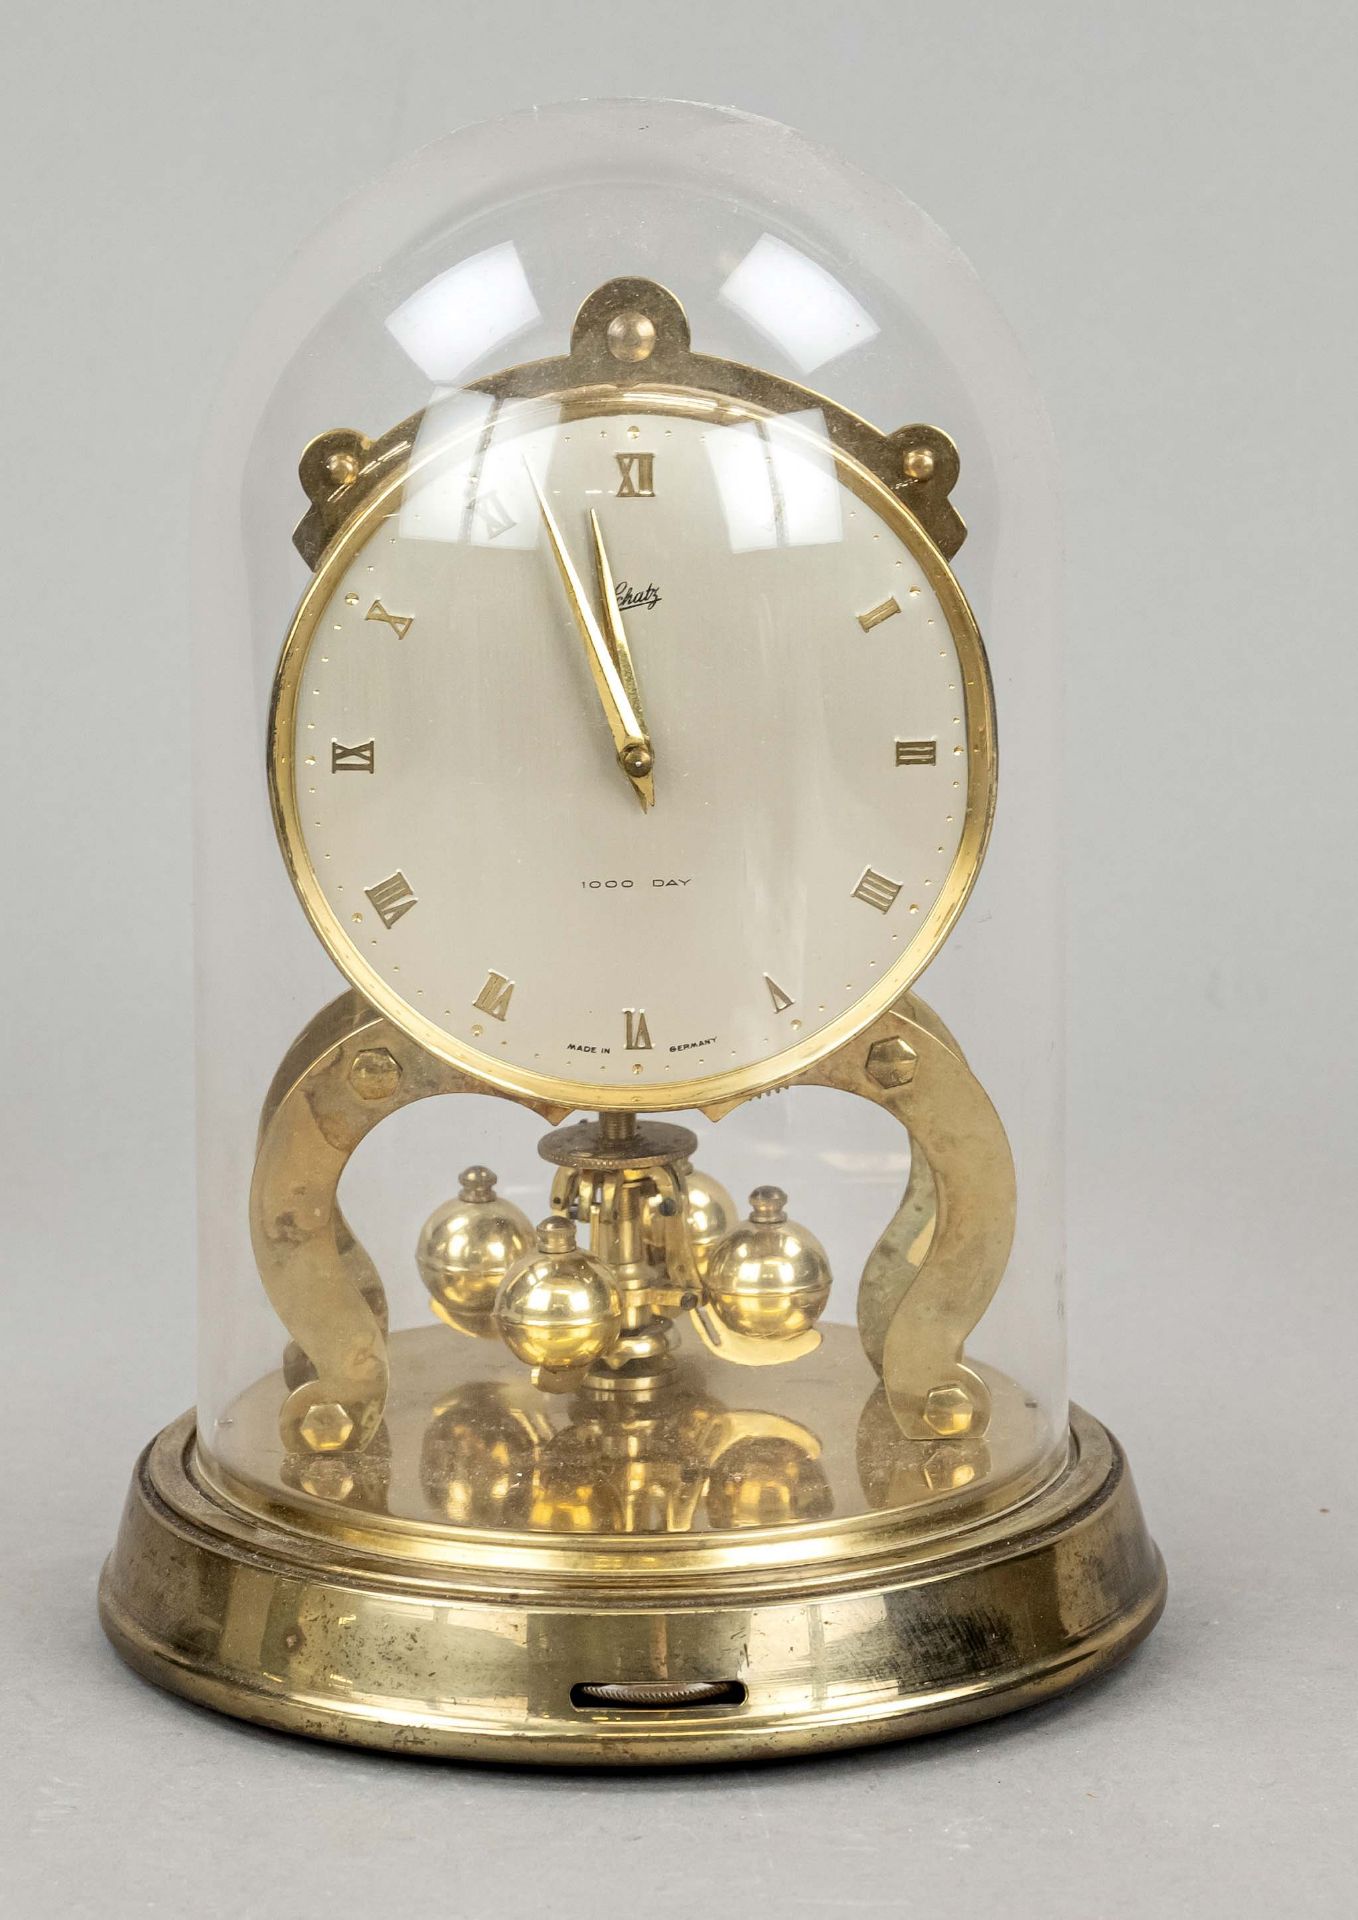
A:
x: 612, y: 1160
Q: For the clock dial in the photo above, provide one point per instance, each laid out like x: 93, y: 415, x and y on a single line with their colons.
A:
x: 557, y: 613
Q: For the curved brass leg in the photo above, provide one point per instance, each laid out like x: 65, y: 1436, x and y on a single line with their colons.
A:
x: 934, y: 1271
x: 346, y: 1071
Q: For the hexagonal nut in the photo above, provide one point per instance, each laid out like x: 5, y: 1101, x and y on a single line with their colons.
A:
x: 326, y: 1427
x: 375, y: 1074
x: 947, y: 1467
x: 327, y: 1480
x: 892, y: 1063
x: 948, y: 1410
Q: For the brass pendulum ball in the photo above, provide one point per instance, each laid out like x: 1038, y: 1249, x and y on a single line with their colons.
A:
x: 558, y: 1306
x: 466, y: 1248
x: 768, y: 1278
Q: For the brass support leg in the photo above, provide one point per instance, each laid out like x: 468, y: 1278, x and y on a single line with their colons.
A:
x: 935, y: 1270
x: 346, y: 1071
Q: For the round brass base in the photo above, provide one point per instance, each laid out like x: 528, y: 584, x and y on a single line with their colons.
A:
x: 383, y: 1645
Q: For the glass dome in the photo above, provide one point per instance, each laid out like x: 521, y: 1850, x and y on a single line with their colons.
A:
x: 412, y: 369
x: 626, y: 648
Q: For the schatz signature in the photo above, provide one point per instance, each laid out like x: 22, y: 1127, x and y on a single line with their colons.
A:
x: 630, y: 597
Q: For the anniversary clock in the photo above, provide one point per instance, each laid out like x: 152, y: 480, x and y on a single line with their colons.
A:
x: 595, y: 725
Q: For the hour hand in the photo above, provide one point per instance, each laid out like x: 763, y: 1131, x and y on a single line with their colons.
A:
x: 630, y: 740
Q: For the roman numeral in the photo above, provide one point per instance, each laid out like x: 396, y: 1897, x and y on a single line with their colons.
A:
x: 492, y: 515
x: 781, y: 1001
x: 875, y: 890
x: 351, y: 759
x: 494, y: 996
x: 638, y: 1033
x: 391, y: 898
x: 875, y: 615
x: 637, y: 471
x: 916, y: 753
x: 400, y: 623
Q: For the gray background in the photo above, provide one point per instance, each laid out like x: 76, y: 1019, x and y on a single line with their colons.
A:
x: 1162, y: 199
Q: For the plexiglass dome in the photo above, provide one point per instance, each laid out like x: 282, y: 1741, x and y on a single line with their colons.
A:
x: 475, y: 256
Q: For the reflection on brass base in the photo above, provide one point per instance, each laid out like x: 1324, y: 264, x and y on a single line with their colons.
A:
x: 345, y: 1638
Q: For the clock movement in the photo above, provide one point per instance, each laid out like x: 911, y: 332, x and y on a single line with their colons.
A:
x: 601, y: 731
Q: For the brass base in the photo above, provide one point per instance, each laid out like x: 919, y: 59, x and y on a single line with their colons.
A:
x: 342, y: 1635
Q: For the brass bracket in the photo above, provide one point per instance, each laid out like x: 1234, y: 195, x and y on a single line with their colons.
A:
x: 346, y: 1071
x: 937, y: 1266
x: 632, y: 336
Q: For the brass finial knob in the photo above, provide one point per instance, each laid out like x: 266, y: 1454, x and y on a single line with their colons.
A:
x: 769, y: 1277
x: 558, y: 1307
x: 768, y: 1206
x: 631, y: 335
x: 556, y: 1234
x: 466, y: 1248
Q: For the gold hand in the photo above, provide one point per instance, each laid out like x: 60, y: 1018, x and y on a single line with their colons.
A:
x: 615, y: 632
x: 630, y: 741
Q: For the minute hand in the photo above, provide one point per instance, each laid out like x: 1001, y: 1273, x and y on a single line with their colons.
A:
x: 617, y: 633
x: 630, y: 743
